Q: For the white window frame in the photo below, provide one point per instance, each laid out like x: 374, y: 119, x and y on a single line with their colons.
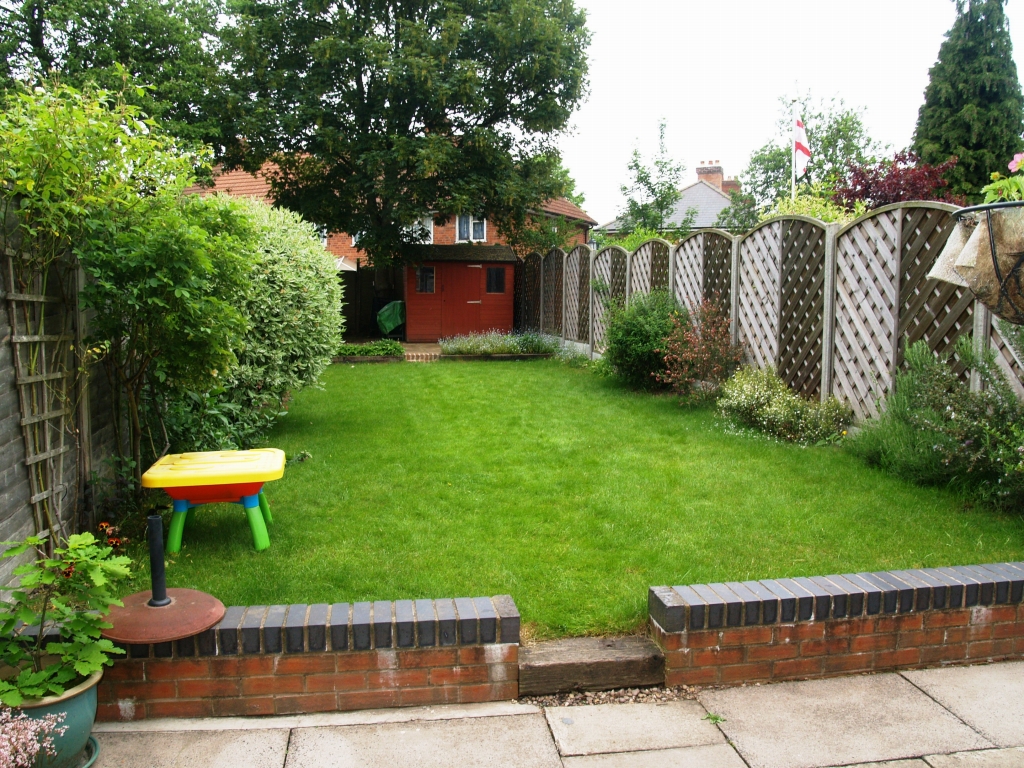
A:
x: 427, y: 223
x: 472, y: 220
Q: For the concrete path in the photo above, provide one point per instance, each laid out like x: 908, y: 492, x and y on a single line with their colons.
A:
x: 957, y: 717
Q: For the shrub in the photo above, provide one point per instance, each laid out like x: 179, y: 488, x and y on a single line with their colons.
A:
x: 699, y: 355
x: 936, y: 431
x: 379, y: 348
x: 498, y: 343
x: 635, y: 335
x: 759, y: 399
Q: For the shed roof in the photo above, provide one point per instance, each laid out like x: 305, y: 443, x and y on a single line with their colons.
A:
x: 706, y: 199
x: 465, y: 252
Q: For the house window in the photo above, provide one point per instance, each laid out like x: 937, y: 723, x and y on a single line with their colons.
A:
x: 321, y: 232
x: 471, y: 229
x: 495, y: 279
x: 424, y: 279
x: 422, y: 230
x: 355, y: 239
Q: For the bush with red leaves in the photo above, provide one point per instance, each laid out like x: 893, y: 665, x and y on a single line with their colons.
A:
x: 699, y: 353
x: 898, y: 180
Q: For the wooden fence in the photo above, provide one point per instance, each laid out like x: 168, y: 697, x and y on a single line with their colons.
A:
x: 831, y: 308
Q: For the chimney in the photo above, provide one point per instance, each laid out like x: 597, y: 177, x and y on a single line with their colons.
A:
x: 731, y: 185
x: 711, y: 173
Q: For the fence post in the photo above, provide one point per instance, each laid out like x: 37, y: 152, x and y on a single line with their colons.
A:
x: 565, y: 293
x: 540, y: 309
x: 629, y: 277
x: 590, y: 302
x: 828, y: 311
x: 982, y: 338
x: 672, y: 270
x: 734, y: 290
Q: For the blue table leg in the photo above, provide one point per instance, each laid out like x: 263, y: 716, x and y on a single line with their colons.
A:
x: 181, y: 511
x: 260, y: 537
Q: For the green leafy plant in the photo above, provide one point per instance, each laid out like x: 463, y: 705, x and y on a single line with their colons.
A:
x: 499, y: 343
x: 815, y: 201
x: 714, y: 719
x: 50, y: 626
x: 699, y: 355
x: 379, y: 348
x: 1006, y: 187
x: 635, y: 335
x: 759, y: 399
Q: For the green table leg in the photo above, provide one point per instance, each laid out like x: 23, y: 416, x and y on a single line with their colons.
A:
x: 190, y: 517
x: 260, y: 537
x: 181, y: 511
x: 265, y: 509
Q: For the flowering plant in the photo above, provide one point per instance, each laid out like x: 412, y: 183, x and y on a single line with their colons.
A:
x: 1006, y: 187
x: 699, y: 354
x: 50, y: 627
x: 22, y: 738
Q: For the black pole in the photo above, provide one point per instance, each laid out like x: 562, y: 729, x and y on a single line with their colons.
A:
x: 158, y: 581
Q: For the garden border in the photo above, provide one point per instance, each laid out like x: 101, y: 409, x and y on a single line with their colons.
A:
x: 497, y: 357
x: 368, y: 359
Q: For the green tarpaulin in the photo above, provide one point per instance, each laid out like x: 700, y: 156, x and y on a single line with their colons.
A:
x: 391, y: 316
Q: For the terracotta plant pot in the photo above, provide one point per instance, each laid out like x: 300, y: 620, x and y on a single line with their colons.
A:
x: 78, y: 705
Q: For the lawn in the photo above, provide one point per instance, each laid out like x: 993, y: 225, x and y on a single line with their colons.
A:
x: 562, y: 489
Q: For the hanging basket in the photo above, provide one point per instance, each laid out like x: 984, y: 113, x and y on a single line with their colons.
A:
x: 985, y: 252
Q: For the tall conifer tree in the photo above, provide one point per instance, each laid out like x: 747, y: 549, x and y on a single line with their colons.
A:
x: 973, y: 106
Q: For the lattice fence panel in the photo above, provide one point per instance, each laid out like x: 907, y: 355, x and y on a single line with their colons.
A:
x: 718, y: 269
x: 689, y: 270
x: 640, y: 269
x: 801, y: 316
x: 938, y: 313
x: 760, y: 257
x: 571, y: 311
x: 582, y: 291
x: 554, y: 263
x: 610, y: 287
x: 865, y: 321
x: 660, y: 254
x: 531, y: 292
x: 518, y: 296
x: 1007, y: 358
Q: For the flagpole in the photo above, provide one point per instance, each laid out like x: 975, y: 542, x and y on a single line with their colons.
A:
x: 792, y: 159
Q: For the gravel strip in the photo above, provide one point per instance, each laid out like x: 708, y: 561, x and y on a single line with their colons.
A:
x: 619, y: 696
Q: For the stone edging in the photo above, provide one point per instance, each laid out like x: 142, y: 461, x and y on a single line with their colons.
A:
x: 474, y: 358
x: 369, y: 359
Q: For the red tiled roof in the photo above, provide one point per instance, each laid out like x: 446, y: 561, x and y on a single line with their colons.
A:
x: 562, y: 207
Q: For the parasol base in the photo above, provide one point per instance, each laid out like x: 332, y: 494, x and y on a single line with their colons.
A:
x: 138, y: 623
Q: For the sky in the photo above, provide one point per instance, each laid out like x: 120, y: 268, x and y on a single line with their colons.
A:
x: 715, y: 69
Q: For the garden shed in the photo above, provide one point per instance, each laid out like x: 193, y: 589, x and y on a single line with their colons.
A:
x: 459, y: 289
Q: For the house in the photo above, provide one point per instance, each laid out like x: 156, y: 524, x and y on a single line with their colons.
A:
x: 708, y: 196
x: 460, y: 282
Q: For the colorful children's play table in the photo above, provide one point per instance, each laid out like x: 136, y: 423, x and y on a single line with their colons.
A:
x: 191, y: 479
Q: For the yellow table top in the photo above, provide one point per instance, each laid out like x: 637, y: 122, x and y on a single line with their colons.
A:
x: 215, y: 468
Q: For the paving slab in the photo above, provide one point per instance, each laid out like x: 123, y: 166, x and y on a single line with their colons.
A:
x: 602, y: 728
x: 209, y: 749
x: 989, y: 697
x: 916, y: 763
x: 990, y: 758
x: 840, y: 721
x: 713, y: 756
x: 520, y: 741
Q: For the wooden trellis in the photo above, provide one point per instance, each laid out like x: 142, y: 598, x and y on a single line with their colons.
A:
x: 578, y: 294
x: 610, y: 287
x: 758, y: 304
x: 802, y: 304
x: 688, y: 271
x: 553, y: 265
x: 571, y: 313
x: 717, y: 272
x: 531, y: 292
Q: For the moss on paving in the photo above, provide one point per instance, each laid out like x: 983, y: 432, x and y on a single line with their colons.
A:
x: 562, y: 489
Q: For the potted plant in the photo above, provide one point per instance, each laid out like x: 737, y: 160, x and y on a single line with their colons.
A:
x: 51, y: 651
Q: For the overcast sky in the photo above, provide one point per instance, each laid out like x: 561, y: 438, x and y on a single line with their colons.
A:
x: 715, y: 69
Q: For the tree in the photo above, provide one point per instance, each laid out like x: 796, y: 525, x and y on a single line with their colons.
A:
x: 170, y: 45
x: 379, y: 112
x: 653, y: 192
x: 902, y: 178
x: 741, y: 213
x: 973, y: 107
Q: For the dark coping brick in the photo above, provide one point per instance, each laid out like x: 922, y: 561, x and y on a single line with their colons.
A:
x: 972, y: 586
x: 488, y: 619
x: 508, y: 616
x: 426, y: 624
x: 361, y: 626
x: 316, y: 626
x: 769, y: 601
x: 294, y: 624
x: 666, y: 607
x: 382, y: 624
x: 1000, y: 582
x: 185, y: 647
x: 715, y: 605
x: 787, y: 600
x: 954, y: 587
x: 822, y: 598
x: 138, y: 651
x: 273, y: 629
x: 339, y: 626
x: 872, y: 593
x: 163, y: 650
x: 405, y: 626
x: 922, y: 589
x: 751, y: 602
x: 804, y: 599
x: 1015, y: 579
x: 696, y: 608
x: 468, y: 634
x: 838, y: 596
x: 447, y: 625
x: 733, y: 604
x: 854, y: 595
x: 206, y: 642
x: 251, y: 628
x: 890, y: 591
x: 939, y: 590
x: 227, y: 630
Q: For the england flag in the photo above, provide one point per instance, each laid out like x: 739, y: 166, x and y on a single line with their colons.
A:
x: 801, y: 149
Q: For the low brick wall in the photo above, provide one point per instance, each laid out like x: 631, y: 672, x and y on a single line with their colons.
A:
x: 785, y: 629
x: 289, y: 659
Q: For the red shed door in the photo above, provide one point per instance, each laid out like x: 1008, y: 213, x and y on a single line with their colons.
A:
x: 460, y: 306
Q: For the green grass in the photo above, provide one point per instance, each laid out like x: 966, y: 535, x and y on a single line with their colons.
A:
x: 561, y: 489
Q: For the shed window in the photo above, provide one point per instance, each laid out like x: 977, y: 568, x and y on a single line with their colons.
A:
x: 424, y: 279
x: 495, y: 279
x: 471, y: 229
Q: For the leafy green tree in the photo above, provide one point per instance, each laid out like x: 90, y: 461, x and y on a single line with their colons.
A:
x: 653, y: 192
x: 741, y: 213
x: 973, y: 107
x: 378, y: 112
x: 170, y: 45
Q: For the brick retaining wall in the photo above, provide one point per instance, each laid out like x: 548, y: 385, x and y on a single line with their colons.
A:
x: 759, y: 631
x: 319, y: 658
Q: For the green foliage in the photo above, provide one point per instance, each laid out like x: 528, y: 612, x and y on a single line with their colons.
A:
x: 1003, y: 188
x: 813, y: 201
x: 936, y: 431
x: 379, y: 114
x: 652, y: 194
x: 635, y: 337
x: 171, y: 46
x: 700, y: 354
x: 66, y: 594
x: 741, y: 213
x: 379, y: 348
x: 498, y: 343
x: 631, y: 241
x: 1014, y: 335
x: 973, y: 107
x: 759, y: 399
